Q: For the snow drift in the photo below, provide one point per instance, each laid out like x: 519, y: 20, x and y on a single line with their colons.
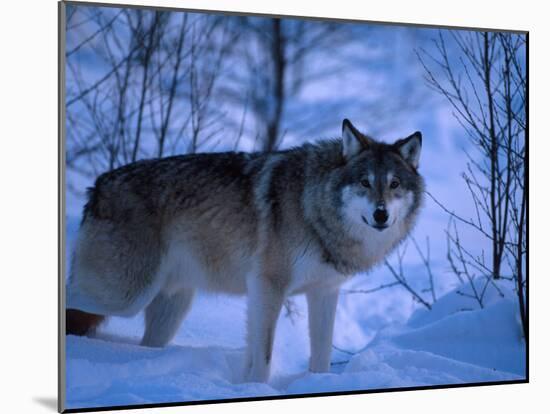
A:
x: 449, y: 344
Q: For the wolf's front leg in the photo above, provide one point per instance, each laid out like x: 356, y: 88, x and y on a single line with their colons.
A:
x: 264, y: 305
x: 321, y: 313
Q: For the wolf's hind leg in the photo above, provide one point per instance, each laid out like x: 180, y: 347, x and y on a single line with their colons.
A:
x: 82, y: 323
x: 163, y: 317
x: 321, y: 313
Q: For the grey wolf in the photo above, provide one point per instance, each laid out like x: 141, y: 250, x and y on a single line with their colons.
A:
x: 267, y: 225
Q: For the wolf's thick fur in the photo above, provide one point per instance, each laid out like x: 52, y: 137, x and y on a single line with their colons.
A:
x: 267, y: 225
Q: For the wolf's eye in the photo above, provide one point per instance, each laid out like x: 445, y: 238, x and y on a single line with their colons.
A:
x: 394, y: 184
x: 365, y: 183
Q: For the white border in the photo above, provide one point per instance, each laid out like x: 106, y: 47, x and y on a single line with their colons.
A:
x: 28, y: 224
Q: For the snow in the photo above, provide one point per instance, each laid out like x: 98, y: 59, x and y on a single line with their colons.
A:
x: 386, y: 366
x: 445, y: 345
x: 101, y: 373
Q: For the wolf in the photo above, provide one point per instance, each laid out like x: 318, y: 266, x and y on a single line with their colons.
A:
x: 267, y: 225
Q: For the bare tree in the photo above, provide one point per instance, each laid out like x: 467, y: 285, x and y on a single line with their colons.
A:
x: 399, y: 277
x: 467, y: 267
x: 486, y: 86
x: 148, y: 66
x: 276, y: 53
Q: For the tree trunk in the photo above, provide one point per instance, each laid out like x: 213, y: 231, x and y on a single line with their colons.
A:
x: 493, y: 155
x: 279, y: 69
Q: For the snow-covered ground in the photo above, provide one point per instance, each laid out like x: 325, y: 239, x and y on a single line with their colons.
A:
x: 449, y: 344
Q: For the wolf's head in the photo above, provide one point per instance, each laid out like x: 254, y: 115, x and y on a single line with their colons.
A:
x: 382, y: 188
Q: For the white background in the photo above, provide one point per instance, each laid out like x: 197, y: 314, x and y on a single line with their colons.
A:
x: 28, y: 212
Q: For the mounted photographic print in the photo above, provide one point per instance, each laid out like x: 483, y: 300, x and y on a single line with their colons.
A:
x: 260, y: 207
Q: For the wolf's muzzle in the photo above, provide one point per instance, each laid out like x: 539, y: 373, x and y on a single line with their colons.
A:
x: 380, y: 216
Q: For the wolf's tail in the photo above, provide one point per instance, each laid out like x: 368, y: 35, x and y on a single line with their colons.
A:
x: 81, y: 323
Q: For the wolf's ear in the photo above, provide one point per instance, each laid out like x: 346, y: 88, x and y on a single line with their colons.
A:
x: 353, y: 141
x: 410, y: 147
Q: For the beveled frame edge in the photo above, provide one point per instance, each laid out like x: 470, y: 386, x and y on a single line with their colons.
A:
x: 61, y: 111
x: 292, y: 16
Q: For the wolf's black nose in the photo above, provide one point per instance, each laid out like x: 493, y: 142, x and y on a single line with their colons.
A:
x: 380, y: 216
